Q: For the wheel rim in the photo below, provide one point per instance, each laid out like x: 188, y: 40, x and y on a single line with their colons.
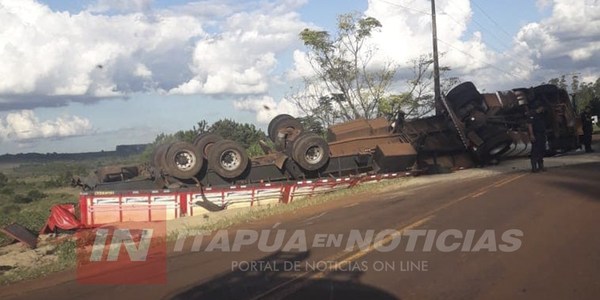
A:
x: 497, y: 150
x: 313, y: 155
x: 230, y: 160
x: 185, y: 160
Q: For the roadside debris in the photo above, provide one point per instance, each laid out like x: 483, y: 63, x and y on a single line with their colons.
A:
x: 21, y: 234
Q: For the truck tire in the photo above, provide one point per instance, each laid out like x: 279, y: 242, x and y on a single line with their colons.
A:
x: 310, y: 151
x: 183, y: 160
x: 274, y: 121
x: 228, y: 159
x: 205, y: 141
x: 159, y: 155
x: 495, y: 143
x: 281, y: 122
x: 462, y: 95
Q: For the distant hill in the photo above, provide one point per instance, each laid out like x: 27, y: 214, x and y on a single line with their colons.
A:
x: 120, y: 151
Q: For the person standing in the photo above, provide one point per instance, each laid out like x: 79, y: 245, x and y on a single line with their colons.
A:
x: 587, y: 126
x: 537, y: 135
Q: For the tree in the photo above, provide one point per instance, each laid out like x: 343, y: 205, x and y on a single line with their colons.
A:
x: 243, y: 133
x: 418, y: 100
x: 247, y: 135
x: 312, y: 124
x: 584, y: 93
x: 182, y: 135
x: 346, y: 85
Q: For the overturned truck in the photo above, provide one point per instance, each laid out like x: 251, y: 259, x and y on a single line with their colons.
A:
x: 356, y: 147
x: 495, y: 124
x: 469, y: 129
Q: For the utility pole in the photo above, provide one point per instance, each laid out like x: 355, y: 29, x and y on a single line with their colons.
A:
x: 436, y: 64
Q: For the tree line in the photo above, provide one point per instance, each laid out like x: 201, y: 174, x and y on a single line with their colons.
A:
x: 349, y: 84
x: 583, y: 93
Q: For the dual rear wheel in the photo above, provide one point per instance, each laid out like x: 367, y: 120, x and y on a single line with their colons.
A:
x: 184, y: 160
x: 229, y: 159
x: 179, y: 159
x: 226, y: 157
x: 309, y: 150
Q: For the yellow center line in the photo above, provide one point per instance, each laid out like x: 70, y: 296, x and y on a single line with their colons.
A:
x: 376, y: 245
x: 497, y: 185
x: 509, y: 180
x: 361, y: 253
x: 478, y: 194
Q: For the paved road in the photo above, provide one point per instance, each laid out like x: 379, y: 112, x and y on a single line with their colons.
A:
x: 557, y: 256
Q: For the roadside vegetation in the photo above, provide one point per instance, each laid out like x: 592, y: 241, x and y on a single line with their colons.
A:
x: 247, y: 135
x: 261, y: 212
x: 27, y: 191
x: 63, y: 258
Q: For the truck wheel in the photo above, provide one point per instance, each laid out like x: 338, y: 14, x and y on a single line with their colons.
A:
x: 205, y: 141
x: 494, y: 146
x: 159, y: 155
x: 228, y: 159
x: 282, y: 122
x: 183, y: 160
x: 310, y: 151
x: 463, y: 94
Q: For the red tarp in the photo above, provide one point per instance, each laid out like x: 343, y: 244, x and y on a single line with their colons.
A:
x: 61, y: 216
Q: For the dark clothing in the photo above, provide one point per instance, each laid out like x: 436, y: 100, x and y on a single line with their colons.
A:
x: 586, y: 123
x: 587, y: 142
x: 399, y: 121
x: 538, y: 147
x: 537, y: 123
x: 587, y: 126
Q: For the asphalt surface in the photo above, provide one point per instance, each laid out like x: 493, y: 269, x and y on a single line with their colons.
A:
x: 557, y: 257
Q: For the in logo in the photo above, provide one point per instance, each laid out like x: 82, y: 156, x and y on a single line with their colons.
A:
x: 123, y: 253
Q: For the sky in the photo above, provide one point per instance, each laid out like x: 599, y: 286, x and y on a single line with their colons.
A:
x: 83, y: 76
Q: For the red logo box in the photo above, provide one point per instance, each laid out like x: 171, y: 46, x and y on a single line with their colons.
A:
x: 123, y: 253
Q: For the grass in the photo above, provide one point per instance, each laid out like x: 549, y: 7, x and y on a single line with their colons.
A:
x: 27, y: 192
x: 66, y: 259
x: 258, y: 213
x: 32, y: 215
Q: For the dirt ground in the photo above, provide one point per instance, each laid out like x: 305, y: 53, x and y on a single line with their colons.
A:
x: 18, y: 257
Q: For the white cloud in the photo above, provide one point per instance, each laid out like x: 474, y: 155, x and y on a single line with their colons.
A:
x: 567, y: 41
x: 243, y: 56
x: 142, y: 71
x: 405, y: 35
x: 563, y: 43
x: 121, y: 47
x: 48, y: 53
x: 25, y: 126
x: 301, y: 67
x: 266, y: 108
x: 541, y: 4
x: 406, y: 31
x: 120, y: 5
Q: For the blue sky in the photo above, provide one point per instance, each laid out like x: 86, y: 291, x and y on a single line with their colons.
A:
x: 89, y: 75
